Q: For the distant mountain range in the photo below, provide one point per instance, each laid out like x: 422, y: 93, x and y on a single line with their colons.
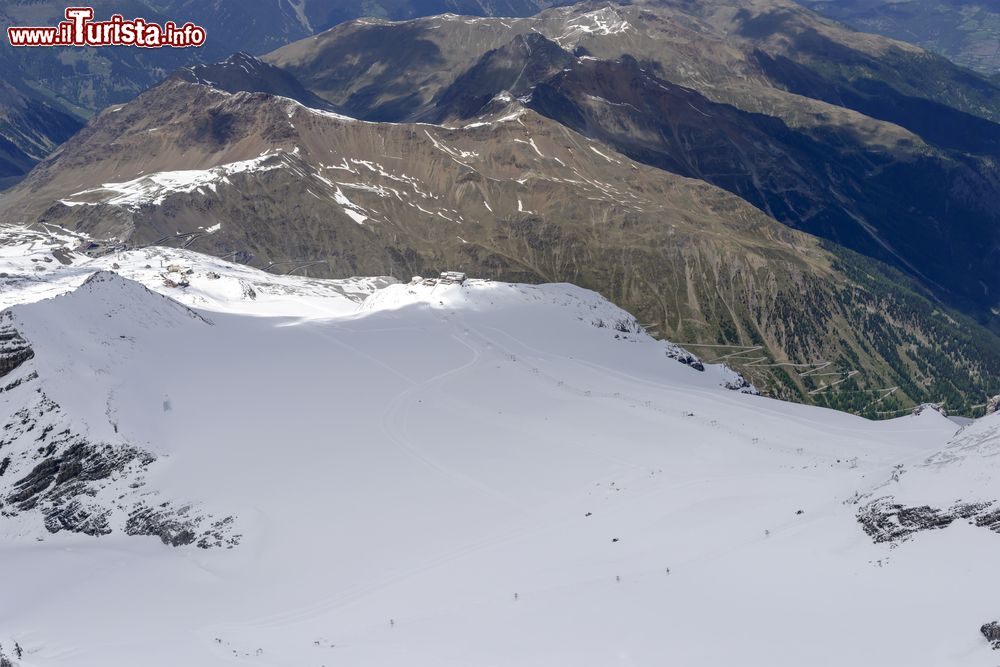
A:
x: 78, y: 82
x: 966, y: 31
x: 83, y: 81
x: 648, y: 151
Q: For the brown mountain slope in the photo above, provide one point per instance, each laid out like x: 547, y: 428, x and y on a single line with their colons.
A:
x: 29, y: 130
x: 512, y: 195
x: 871, y: 143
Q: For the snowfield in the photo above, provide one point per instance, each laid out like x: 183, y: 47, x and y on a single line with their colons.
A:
x: 277, y: 471
x: 154, y: 188
x: 35, y: 265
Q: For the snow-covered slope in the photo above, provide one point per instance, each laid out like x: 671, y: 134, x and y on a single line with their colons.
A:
x: 441, y: 474
x: 957, y: 484
x: 66, y: 464
x: 37, y: 264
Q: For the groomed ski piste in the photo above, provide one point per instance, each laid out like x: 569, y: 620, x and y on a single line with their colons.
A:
x: 236, y: 468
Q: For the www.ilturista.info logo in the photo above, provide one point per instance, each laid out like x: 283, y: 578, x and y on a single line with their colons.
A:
x: 79, y: 29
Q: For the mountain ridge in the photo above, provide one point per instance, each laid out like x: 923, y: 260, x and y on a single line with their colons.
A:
x: 762, y: 82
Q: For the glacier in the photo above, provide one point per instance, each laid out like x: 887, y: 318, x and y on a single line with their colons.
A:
x: 374, y: 473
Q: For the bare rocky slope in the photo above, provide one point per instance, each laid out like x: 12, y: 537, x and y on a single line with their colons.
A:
x: 29, y: 130
x: 875, y: 144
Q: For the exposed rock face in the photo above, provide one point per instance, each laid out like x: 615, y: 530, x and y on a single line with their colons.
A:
x: 686, y: 358
x: 992, y: 633
x: 182, y: 526
x: 61, y: 477
x: 741, y: 385
x: 243, y: 72
x: 954, y: 484
x: 892, y: 523
x: 622, y: 325
x: 14, y: 350
x: 51, y: 469
x: 10, y: 654
x: 71, y: 483
x: 993, y: 405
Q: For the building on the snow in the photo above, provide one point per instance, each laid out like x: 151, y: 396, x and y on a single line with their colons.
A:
x: 449, y: 277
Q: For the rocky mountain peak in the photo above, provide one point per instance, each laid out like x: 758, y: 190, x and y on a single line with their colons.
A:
x: 242, y: 72
x: 514, y: 68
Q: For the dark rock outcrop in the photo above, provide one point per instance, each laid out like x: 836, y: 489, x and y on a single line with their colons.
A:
x: 10, y: 660
x: 59, y: 478
x: 59, y: 474
x: 623, y: 325
x: 933, y: 407
x: 77, y: 517
x: 740, y: 384
x: 888, y: 522
x: 170, y: 525
x: 992, y: 633
x: 14, y: 349
x: 686, y: 358
x: 181, y: 526
x: 243, y: 72
x: 993, y: 405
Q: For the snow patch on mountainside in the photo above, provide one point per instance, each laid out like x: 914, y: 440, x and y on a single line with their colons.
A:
x: 154, y: 188
x: 352, y: 210
x: 605, y: 21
